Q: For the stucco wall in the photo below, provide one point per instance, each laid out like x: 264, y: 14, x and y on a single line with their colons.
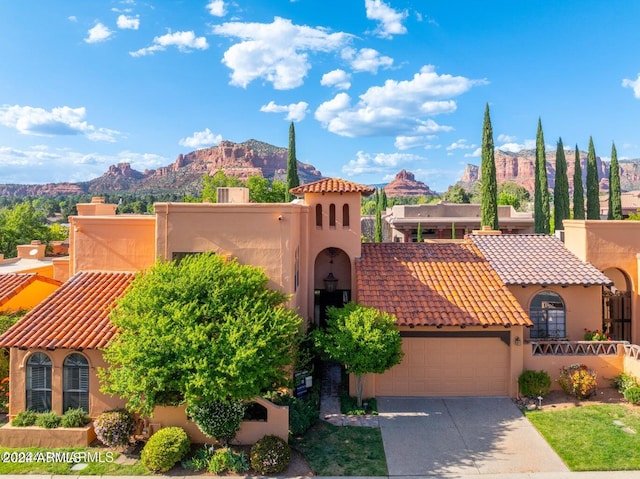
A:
x: 111, y: 243
x: 609, y: 244
x: 29, y: 297
x: 98, y: 402
x: 583, y: 306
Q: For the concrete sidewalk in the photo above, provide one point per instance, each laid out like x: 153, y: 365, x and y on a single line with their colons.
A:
x: 462, y: 437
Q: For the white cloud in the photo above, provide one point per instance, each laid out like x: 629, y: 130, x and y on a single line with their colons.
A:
x: 461, y: 145
x: 408, y: 142
x: 476, y: 153
x: 72, y: 18
x: 635, y: 84
x: 337, y: 78
x: 295, y: 111
x: 201, y: 139
x: 366, y: 59
x: 506, y: 138
x: 275, y: 52
x: 398, y: 108
x: 217, y: 8
x: 514, y: 147
x: 390, y: 19
x: 59, y: 121
x: 128, y: 23
x: 184, y: 41
x: 97, y: 34
x: 378, y: 163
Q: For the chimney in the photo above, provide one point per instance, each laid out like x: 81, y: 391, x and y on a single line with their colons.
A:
x: 35, y: 250
x: 97, y: 207
x: 486, y: 230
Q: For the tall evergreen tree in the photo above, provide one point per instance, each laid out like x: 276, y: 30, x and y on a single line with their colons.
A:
x: 541, y: 193
x: 561, y: 210
x: 615, y: 201
x: 578, y: 189
x: 593, y: 187
x: 489, y: 187
x: 383, y: 200
x: 419, y: 233
x: 293, y: 179
x: 378, y: 232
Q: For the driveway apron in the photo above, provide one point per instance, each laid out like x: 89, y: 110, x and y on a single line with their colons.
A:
x: 461, y: 436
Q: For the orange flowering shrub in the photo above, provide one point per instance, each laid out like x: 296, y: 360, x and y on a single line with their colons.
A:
x: 578, y: 380
x: 4, y: 395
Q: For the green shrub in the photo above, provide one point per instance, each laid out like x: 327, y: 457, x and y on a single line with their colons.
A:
x: 534, y: 383
x: 164, y: 449
x: 75, y: 418
x: 269, y: 455
x: 218, y: 419
x: 225, y: 459
x: 624, y: 381
x: 578, y: 380
x: 25, y: 418
x: 48, y: 420
x: 632, y: 395
x: 304, y: 412
x: 200, y: 459
x: 114, y: 428
x: 349, y: 405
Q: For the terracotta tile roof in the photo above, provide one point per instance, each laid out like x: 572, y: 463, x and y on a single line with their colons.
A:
x: 12, y: 283
x: 435, y: 284
x: 532, y: 259
x: 75, y: 316
x: 332, y: 185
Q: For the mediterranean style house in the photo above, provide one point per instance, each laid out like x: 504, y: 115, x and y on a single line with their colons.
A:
x: 473, y: 313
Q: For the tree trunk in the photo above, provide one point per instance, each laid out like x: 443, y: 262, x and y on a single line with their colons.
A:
x: 359, y: 380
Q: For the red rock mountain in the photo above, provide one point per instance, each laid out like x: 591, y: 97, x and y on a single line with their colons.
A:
x: 185, y: 174
x: 405, y: 184
x: 519, y: 168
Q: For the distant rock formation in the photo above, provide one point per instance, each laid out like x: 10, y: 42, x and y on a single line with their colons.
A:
x: 242, y: 160
x: 405, y: 184
x: 519, y: 168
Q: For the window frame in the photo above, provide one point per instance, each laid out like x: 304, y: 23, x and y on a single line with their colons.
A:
x: 550, y: 320
x: 75, y: 395
x: 43, y: 390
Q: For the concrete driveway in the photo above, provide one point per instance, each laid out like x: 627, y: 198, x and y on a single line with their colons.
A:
x: 461, y: 436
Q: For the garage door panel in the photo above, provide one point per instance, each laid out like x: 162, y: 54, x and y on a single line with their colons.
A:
x: 448, y: 367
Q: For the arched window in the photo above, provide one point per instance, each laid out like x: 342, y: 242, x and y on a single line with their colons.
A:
x: 345, y: 215
x: 319, y: 215
x: 332, y: 214
x: 547, y: 312
x: 75, y: 382
x: 39, y: 382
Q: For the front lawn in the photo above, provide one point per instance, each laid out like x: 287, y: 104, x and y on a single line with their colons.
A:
x: 343, y: 450
x: 592, y: 438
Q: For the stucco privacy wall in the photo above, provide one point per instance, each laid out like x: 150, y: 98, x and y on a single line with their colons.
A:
x: 98, y: 402
x: 111, y: 243
x: 264, y: 235
x: 609, y: 244
x: 583, y: 306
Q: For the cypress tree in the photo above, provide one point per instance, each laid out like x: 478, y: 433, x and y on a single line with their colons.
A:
x: 593, y: 188
x: 378, y: 233
x: 419, y: 234
x: 489, y: 187
x: 561, y: 191
x: 383, y: 200
x: 541, y: 192
x: 578, y: 189
x: 292, y: 164
x: 615, y: 201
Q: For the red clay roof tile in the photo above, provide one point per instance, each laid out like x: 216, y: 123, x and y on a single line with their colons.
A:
x: 435, y: 284
x: 332, y: 185
x: 76, y: 316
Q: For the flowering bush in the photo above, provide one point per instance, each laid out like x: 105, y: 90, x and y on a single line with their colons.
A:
x: 164, y: 449
x: 596, y: 335
x: 113, y: 428
x: 578, y: 380
x: 270, y: 454
x: 218, y: 419
x: 4, y: 395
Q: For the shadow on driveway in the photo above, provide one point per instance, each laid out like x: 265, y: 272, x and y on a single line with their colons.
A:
x: 474, y: 435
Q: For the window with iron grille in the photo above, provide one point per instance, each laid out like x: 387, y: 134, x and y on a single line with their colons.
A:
x: 547, y: 312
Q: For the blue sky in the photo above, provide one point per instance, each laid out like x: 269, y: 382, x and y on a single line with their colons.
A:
x: 373, y: 86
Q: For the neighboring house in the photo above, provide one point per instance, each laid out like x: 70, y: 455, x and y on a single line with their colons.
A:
x: 22, y: 291
x: 31, y: 258
x: 448, y: 220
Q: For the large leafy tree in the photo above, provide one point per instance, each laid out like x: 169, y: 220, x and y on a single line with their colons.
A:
x: 210, y: 185
x: 197, y: 331
x: 541, y: 208
x: 510, y: 193
x: 456, y: 194
x: 489, y: 197
x: 561, y: 207
x: 365, y: 340
x: 578, y: 189
x: 593, y: 185
x: 615, y: 200
x: 292, y: 163
x: 23, y: 224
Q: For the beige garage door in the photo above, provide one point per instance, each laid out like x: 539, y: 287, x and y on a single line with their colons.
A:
x: 448, y: 367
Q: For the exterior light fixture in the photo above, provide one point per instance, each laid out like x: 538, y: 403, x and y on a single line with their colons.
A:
x: 517, y: 341
x: 330, y: 283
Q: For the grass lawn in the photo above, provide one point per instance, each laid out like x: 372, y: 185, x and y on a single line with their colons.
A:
x: 34, y: 460
x: 343, y: 451
x: 587, y: 439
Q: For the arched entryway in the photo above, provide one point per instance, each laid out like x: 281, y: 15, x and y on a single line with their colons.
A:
x: 616, y: 305
x: 332, y: 282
